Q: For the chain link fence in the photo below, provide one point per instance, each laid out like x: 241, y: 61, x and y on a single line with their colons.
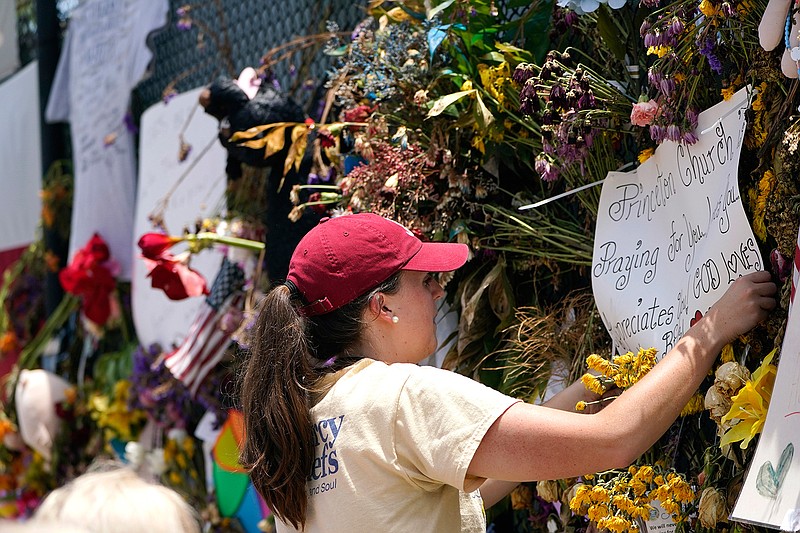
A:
x: 228, y: 35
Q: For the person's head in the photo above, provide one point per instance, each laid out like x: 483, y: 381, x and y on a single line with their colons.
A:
x: 117, y: 500
x: 358, y: 286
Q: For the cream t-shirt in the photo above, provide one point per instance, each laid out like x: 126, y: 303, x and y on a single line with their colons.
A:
x: 393, y: 444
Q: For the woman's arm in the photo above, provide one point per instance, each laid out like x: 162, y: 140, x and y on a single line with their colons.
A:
x: 494, y: 490
x: 531, y: 442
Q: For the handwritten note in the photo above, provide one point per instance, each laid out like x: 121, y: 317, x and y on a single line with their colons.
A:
x: 770, y: 495
x: 672, y: 235
x: 105, y: 54
x: 157, y: 318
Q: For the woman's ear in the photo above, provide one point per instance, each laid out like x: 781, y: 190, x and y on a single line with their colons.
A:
x: 375, y: 306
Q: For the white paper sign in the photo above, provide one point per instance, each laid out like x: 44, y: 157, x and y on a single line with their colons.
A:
x: 157, y: 318
x: 659, y: 521
x: 672, y: 235
x: 771, y: 491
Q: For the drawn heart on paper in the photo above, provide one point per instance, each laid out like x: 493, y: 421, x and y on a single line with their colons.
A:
x: 769, y: 480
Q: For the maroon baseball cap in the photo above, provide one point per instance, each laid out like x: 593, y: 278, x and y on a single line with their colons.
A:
x: 344, y: 257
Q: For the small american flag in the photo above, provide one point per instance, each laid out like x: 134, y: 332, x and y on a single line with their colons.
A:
x: 206, y: 343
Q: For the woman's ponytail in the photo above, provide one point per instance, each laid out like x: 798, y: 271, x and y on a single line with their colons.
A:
x: 278, y: 447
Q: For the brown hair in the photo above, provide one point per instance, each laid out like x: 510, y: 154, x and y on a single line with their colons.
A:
x: 288, y: 355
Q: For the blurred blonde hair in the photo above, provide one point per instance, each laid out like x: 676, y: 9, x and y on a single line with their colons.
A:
x: 118, y: 501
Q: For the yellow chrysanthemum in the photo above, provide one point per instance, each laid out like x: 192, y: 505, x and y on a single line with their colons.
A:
x: 695, y: 405
x: 727, y: 354
x: 592, y: 384
x: 659, y: 51
x: 758, y: 101
x: 727, y: 93
x: 646, y: 154
x: 707, y: 8
x: 765, y: 186
x: 582, y: 498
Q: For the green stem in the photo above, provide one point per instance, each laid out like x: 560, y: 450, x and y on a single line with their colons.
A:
x: 224, y: 239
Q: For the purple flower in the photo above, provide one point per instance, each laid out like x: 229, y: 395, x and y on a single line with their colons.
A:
x: 676, y: 26
x: 545, y: 168
x: 654, y: 77
x: 657, y: 133
x: 668, y: 86
x: 587, y: 101
x: 689, y: 137
x: 523, y: 73
x: 528, y: 99
x: 673, y: 133
x: 707, y: 50
x: 558, y: 96
x: 691, y: 117
x: 184, y: 24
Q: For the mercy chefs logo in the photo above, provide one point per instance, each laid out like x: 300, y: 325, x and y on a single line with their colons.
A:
x: 325, y: 461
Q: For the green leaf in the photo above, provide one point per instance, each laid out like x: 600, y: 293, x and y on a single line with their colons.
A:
x: 432, y: 12
x: 440, y: 104
x: 609, y: 33
x: 337, y: 52
x: 485, y: 117
x: 497, y: 57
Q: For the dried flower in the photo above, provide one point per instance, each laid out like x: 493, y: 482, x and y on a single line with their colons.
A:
x: 521, y: 497
x: 549, y: 490
x: 712, y: 508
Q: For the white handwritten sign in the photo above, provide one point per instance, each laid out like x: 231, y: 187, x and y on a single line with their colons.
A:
x: 771, y: 492
x: 157, y: 318
x: 105, y: 54
x: 672, y: 235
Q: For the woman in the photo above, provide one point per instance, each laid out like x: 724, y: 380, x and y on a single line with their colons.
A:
x: 343, y: 434
x: 113, y: 498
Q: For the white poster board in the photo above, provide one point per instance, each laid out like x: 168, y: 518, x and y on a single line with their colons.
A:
x: 9, y: 48
x: 771, y: 492
x: 157, y: 318
x: 672, y: 235
x: 20, y: 159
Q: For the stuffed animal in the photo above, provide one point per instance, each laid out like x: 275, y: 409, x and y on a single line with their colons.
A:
x: 775, y: 29
x: 36, y: 395
x: 244, y: 103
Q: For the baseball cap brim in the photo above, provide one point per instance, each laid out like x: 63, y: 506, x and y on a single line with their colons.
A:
x: 438, y: 257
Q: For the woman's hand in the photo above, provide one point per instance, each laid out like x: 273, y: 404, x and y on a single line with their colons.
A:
x: 747, y: 302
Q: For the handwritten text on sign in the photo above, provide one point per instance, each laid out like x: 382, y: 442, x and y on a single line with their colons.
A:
x: 672, y: 235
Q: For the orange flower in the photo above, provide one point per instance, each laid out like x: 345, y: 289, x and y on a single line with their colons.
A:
x: 8, y: 342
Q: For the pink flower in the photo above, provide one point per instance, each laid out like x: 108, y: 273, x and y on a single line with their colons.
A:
x: 643, y: 113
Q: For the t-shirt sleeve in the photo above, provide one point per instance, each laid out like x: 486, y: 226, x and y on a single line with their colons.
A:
x: 441, y: 419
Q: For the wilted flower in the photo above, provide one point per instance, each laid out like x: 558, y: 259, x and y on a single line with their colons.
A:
x: 172, y: 275
x: 711, y: 508
x: 521, y: 497
x: 730, y: 377
x: 717, y: 403
x: 549, y: 490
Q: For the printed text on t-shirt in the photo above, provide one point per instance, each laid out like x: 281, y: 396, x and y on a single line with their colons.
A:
x: 325, y: 461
